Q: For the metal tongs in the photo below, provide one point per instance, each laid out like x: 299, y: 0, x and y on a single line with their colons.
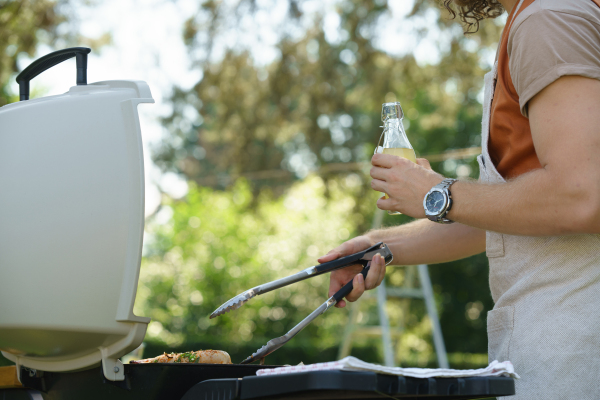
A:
x: 363, y: 257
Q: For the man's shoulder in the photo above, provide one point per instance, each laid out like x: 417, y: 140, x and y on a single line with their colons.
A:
x: 553, y: 38
x: 540, y: 11
x: 549, y: 18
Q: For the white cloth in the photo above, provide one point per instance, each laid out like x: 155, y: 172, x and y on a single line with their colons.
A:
x: 354, y: 364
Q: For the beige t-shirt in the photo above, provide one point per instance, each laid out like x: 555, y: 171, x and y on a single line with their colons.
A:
x: 550, y: 39
x: 543, y: 40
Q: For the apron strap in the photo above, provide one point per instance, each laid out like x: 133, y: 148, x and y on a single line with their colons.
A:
x: 507, y: 26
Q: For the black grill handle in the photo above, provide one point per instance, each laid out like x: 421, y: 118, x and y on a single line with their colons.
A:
x: 49, y: 61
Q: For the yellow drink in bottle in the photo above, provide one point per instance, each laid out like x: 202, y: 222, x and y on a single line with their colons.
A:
x: 395, y: 141
x: 409, y: 154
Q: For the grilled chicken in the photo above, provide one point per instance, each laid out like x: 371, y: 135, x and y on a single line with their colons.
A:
x: 193, y: 357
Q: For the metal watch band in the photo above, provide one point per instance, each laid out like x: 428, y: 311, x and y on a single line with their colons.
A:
x: 446, y: 183
x: 445, y: 186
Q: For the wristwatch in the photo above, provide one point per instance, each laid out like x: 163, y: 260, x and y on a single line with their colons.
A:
x: 438, y: 201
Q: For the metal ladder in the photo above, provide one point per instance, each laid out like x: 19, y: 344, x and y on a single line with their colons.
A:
x: 425, y: 292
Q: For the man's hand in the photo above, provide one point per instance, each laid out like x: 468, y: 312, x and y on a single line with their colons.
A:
x: 342, y: 276
x: 405, y: 182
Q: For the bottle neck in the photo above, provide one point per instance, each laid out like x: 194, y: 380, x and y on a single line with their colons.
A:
x: 395, y: 136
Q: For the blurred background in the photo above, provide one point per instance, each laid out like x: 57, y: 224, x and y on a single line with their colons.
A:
x: 267, y: 113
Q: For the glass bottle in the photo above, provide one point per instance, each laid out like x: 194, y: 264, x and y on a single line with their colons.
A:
x: 395, y: 141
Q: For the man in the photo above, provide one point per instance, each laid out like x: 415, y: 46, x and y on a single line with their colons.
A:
x: 536, y: 208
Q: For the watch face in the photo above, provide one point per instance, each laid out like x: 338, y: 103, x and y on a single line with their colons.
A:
x: 435, y: 202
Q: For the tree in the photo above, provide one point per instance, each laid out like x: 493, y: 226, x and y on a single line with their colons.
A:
x: 204, y: 249
x: 22, y: 23
x: 320, y: 100
x: 26, y: 24
x: 316, y: 107
x: 216, y: 245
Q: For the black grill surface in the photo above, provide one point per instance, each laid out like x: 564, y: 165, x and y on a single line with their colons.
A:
x: 142, y: 381
x: 224, y: 382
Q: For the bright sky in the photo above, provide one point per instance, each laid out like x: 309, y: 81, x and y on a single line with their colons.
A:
x: 147, y: 45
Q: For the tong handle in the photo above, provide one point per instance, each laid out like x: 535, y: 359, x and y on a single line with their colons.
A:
x: 337, y: 264
x: 344, y: 261
x: 345, y: 291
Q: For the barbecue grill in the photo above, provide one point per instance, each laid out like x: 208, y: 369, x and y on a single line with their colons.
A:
x: 71, y: 229
x: 231, y: 382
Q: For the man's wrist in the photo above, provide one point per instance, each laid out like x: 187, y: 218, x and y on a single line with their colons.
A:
x: 371, y: 238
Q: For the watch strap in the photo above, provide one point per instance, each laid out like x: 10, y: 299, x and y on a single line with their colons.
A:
x: 446, y: 183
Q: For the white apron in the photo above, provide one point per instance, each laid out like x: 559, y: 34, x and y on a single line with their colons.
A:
x: 546, y: 290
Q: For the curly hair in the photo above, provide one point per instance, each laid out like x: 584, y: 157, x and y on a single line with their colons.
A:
x: 473, y: 11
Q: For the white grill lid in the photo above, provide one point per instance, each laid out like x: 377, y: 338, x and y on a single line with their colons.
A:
x: 71, y: 227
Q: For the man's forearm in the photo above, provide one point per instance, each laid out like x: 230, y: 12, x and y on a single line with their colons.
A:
x: 563, y: 196
x: 426, y: 242
x: 539, y: 203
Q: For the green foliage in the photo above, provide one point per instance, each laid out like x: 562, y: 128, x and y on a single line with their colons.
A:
x: 316, y: 109
x: 27, y: 24
x: 219, y: 243
x: 22, y: 22
x: 320, y: 101
x: 216, y: 246
x: 463, y: 296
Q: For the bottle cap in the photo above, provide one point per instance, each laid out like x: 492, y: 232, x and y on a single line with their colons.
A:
x: 391, y: 110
